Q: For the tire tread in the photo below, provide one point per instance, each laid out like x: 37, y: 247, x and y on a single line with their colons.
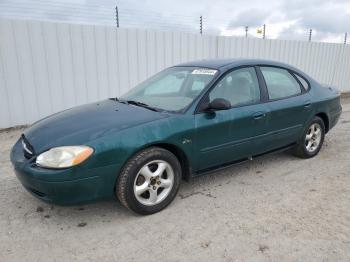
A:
x: 299, y: 149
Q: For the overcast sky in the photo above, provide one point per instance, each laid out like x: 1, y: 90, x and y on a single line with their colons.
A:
x: 284, y: 19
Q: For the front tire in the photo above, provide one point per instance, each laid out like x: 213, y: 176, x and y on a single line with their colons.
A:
x: 312, y: 139
x: 149, y: 181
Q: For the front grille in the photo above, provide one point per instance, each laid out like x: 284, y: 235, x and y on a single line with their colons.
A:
x: 28, y: 149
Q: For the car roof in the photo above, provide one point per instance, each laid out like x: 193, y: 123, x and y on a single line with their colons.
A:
x: 232, y: 62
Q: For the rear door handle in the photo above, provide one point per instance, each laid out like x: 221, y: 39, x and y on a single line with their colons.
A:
x: 259, y: 115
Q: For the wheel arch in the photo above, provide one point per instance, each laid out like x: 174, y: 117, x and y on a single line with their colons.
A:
x: 174, y: 149
x: 325, y: 119
x: 180, y: 155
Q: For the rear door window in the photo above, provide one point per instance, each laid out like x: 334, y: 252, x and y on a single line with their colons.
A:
x: 280, y: 83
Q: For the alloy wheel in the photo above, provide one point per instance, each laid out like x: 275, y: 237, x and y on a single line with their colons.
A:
x: 313, y: 137
x: 154, y: 182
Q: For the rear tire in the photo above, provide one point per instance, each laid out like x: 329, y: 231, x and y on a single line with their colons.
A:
x: 312, y: 139
x: 149, y: 181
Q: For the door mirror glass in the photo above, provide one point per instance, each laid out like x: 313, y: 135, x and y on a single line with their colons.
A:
x: 216, y: 105
x: 219, y: 104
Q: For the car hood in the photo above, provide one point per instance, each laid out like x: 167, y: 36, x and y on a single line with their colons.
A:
x: 82, y: 124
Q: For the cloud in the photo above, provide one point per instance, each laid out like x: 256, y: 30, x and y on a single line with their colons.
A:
x: 323, y: 16
x: 294, y: 32
x: 332, y: 19
x: 252, y: 17
x: 327, y: 19
x: 286, y: 19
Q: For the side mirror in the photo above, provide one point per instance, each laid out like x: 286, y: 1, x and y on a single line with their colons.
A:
x: 215, y: 105
x: 219, y: 104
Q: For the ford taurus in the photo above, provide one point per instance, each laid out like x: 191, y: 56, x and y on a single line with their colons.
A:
x: 187, y: 120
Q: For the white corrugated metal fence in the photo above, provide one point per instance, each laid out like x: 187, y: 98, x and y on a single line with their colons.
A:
x: 47, y: 67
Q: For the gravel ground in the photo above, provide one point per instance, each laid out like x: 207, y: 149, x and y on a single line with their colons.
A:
x: 275, y: 208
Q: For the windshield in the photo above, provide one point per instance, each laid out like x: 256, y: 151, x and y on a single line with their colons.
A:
x: 172, y: 89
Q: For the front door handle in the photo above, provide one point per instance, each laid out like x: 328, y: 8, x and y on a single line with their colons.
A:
x: 259, y: 115
x: 307, y: 104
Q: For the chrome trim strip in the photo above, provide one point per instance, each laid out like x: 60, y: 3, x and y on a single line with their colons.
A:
x: 26, y: 148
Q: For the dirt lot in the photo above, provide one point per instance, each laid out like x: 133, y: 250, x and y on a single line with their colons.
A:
x: 275, y: 208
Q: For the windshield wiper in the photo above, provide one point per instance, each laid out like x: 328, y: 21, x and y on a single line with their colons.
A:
x: 137, y: 103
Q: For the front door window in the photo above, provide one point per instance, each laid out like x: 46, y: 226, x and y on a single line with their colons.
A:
x: 240, y: 87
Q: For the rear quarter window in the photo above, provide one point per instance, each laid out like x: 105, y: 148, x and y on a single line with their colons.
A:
x: 303, y: 82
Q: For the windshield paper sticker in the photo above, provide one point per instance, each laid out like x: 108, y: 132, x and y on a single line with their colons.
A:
x: 204, y: 72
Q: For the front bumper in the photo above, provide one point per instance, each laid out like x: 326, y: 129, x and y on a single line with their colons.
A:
x: 62, y: 193
x: 69, y: 186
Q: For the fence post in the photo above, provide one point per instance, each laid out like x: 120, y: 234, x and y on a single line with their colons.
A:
x: 310, y: 35
x: 246, y: 31
x: 117, y: 15
x: 200, y: 24
x: 345, y: 37
x: 264, y: 29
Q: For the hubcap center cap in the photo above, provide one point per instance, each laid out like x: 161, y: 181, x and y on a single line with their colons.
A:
x: 153, y: 181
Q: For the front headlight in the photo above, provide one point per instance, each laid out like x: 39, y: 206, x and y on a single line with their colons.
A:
x: 64, y: 156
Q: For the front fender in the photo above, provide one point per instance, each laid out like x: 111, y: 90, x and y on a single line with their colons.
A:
x: 177, y: 131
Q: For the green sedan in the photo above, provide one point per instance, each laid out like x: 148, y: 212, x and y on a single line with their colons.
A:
x: 187, y: 120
